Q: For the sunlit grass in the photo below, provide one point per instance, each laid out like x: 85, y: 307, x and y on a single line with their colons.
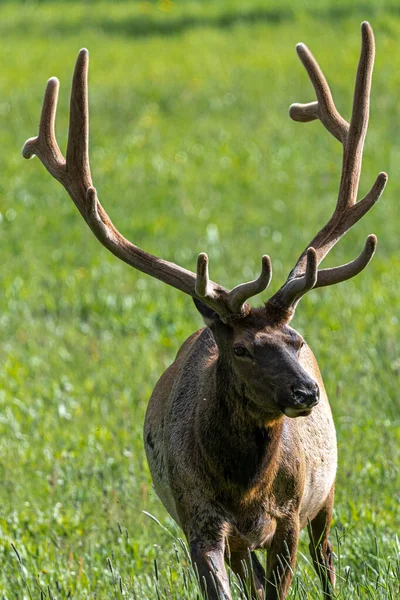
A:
x: 191, y: 150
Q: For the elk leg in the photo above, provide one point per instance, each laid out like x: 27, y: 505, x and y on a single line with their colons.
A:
x: 249, y: 569
x: 210, y: 566
x: 321, y: 548
x: 281, y: 559
x: 207, y: 547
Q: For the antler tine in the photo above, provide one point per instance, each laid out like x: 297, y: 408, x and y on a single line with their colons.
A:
x: 324, y: 109
x: 74, y: 174
x: 236, y: 305
x: 78, y: 136
x: 295, y: 288
x: 347, y: 211
x: 45, y: 144
x: 349, y: 270
x: 203, y: 287
x: 354, y: 144
x: 238, y: 296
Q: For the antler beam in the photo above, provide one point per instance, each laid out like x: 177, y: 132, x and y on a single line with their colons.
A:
x: 348, y: 211
x: 74, y: 174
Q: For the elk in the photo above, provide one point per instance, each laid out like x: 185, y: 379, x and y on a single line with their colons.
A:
x: 239, y: 433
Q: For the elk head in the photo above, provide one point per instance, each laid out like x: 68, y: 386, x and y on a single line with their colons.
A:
x: 260, y: 354
x: 261, y: 350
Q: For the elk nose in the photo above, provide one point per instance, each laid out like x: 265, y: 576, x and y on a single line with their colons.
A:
x: 306, y: 394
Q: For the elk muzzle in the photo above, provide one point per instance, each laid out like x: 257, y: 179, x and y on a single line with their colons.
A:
x: 304, y: 396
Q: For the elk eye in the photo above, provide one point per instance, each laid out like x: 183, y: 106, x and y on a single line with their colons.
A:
x: 241, y: 351
x: 301, y: 345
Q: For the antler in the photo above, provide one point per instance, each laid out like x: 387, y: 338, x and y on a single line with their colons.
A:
x: 348, y: 211
x: 74, y: 174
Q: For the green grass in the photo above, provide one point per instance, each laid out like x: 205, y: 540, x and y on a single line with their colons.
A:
x: 191, y: 150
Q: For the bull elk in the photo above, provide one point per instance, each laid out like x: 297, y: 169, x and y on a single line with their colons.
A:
x: 239, y: 434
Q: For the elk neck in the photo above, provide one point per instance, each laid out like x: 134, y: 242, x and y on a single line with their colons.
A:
x: 239, y: 446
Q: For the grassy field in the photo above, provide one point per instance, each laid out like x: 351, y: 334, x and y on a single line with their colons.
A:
x: 191, y: 150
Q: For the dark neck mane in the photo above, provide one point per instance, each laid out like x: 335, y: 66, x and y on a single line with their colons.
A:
x: 241, y: 449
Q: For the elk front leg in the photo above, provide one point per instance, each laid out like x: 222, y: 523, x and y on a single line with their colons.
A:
x: 207, y: 548
x: 281, y: 559
x: 249, y: 570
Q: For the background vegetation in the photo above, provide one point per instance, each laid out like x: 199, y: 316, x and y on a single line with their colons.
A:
x: 191, y: 150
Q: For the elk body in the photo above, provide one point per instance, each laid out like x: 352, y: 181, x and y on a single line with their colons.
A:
x: 238, y: 433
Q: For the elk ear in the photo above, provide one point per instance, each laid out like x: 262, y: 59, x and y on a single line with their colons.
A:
x: 209, y: 315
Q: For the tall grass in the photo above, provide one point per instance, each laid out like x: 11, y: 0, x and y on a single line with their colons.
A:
x: 191, y: 150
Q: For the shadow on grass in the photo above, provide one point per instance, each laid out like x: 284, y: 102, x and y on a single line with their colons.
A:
x: 149, y: 25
